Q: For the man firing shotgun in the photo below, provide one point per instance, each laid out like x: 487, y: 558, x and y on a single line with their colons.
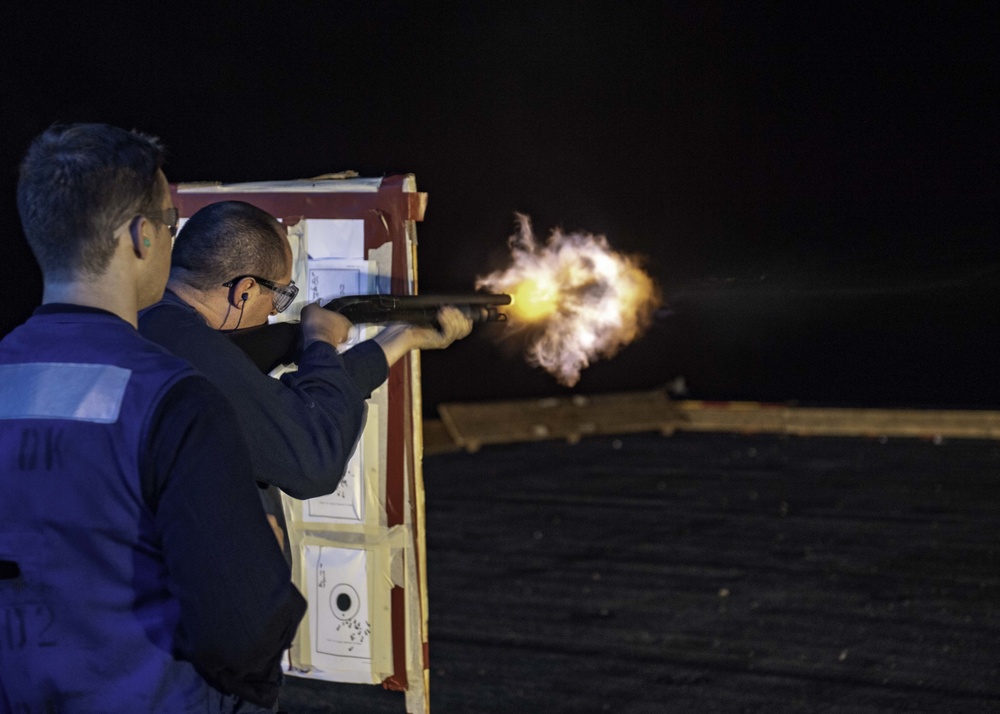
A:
x: 232, y: 267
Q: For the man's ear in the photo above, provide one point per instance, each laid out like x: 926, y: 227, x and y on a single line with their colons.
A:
x: 240, y: 291
x: 138, y: 230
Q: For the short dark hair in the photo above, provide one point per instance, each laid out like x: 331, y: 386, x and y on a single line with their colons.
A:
x: 78, y: 182
x: 226, y: 240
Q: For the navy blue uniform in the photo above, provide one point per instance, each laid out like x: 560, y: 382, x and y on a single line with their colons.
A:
x: 137, y: 572
x: 302, y: 428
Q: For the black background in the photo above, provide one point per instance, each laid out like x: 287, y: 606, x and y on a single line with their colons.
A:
x: 812, y: 185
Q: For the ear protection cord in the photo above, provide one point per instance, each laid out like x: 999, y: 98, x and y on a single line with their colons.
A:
x: 229, y: 307
x: 243, y: 302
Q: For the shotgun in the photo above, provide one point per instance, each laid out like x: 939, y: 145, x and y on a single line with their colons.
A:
x: 279, y: 343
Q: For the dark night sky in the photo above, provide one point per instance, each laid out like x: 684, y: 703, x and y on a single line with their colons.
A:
x: 813, y: 188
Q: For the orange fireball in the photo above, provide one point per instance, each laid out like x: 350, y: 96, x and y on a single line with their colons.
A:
x: 583, y: 299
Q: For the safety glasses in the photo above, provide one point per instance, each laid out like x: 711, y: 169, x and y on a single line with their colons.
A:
x: 281, y: 295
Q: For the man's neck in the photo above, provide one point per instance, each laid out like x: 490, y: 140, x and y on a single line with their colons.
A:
x: 98, y: 294
x: 213, y: 312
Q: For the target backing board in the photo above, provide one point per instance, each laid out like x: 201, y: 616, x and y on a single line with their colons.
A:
x: 358, y: 553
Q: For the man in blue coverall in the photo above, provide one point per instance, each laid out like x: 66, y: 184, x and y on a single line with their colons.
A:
x: 137, y: 571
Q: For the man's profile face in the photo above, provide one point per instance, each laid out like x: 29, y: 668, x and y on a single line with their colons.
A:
x: 159, y: 255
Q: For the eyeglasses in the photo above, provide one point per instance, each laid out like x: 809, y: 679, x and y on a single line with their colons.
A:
x: 168, y: 217
x: 281, y: 295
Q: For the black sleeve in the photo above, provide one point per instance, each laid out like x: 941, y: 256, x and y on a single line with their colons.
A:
x: 367, y: 365
x: 300, y: 430
x: 239, y: 609
x: 269, y: 345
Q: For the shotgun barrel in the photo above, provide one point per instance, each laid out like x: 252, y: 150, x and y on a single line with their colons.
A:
x: 418, y: 309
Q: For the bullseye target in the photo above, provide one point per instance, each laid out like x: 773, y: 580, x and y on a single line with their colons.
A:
x: 344, y: 602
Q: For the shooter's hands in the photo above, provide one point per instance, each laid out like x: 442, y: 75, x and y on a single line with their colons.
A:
x: 396, y: 340
x: 454, y: 326
x: 319, y: 325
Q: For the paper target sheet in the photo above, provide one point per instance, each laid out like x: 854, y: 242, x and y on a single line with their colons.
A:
x: 336, y: 238
x: 347, y: 503
x: 338, y: 614
x: 331, y: 278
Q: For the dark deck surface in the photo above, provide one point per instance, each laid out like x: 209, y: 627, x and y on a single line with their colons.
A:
x: 708, y: 573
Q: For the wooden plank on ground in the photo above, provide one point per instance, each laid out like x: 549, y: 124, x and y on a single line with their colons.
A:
x: 749, y: 417
x: 471, y: 425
